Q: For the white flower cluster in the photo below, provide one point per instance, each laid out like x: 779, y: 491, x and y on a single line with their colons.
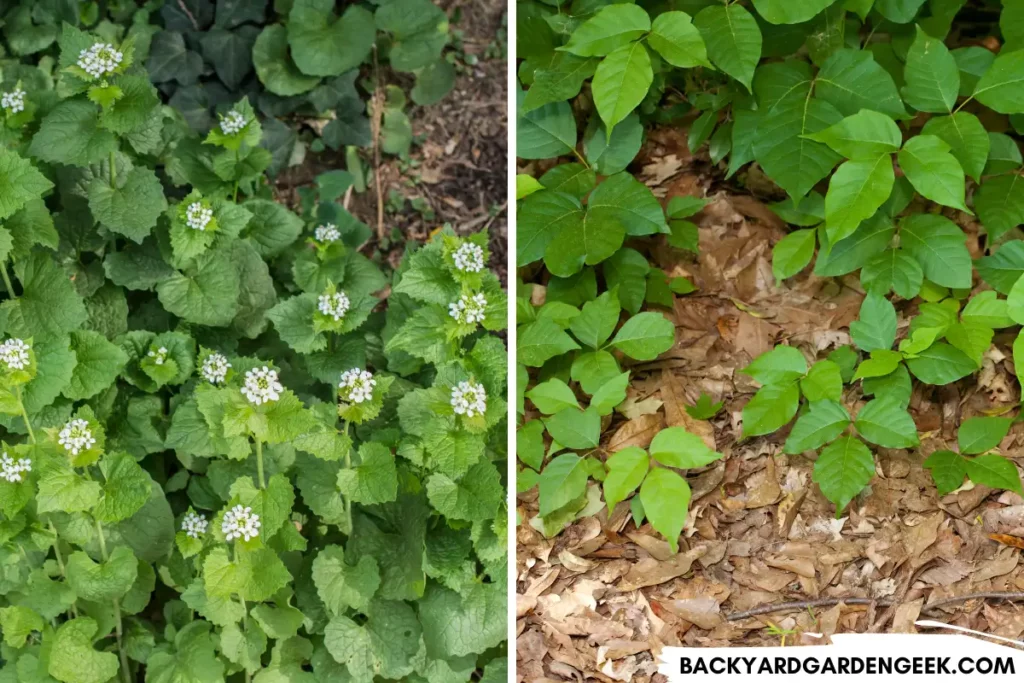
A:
x: 11, y: 469
x: 357, y: 385
x: 469, y: 399
x: 76, y: 436
x: 468, y: 310
x: 240, y: 522
x: 198, y: 216
x: 14, y: 101
x: 469, y: 258
x: 99, y: 59
x: 232, y: 123
x: 194, y: 525
x: 334, y: 305
x: 328, y: 232
x: 215, y: 368
x: 261, y: 385
x: 159, y: 356
x: 14, y: 354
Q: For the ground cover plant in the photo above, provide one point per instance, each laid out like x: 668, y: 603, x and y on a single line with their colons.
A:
x: 234, y: 447
x: 883, y: 137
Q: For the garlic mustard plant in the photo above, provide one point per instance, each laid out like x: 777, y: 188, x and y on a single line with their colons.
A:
x: 261, y: 386
x: 327, y: 232
x: 184, y: 486
x: 469, y: 309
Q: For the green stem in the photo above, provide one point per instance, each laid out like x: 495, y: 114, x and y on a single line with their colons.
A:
x: 348, y: 466
x: 7, y: 280
x: 234, y: 195
x: 245, y: 631
x: 113, y: 170
x: 963, y: 104
x: 580, y: 157
x: 126, y: 674
x: 24, y: 415
x: 60, y: 563
x: 259, y: 463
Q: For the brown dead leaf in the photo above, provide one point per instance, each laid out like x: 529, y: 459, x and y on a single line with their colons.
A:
x: 652, y: 572
x: 704, y: 613
x: 636, y: 432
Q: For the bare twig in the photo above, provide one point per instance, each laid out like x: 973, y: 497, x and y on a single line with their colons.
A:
x: 195, y: 24
x: 1012, y: 596
x: 802, y: 605
x: 378, y: 109
x: 486, y: 219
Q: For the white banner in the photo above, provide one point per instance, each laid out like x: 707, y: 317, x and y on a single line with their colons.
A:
x: 855, y: 657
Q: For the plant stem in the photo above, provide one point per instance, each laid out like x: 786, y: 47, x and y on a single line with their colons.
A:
x: 113, y: 170
x: 7, y: 280
x: 126, y: 675
x: 245, y: 630
x: 234, y: 195
x: 60, y: 563
x: 259, y: 463
x: 348, y: 466
x: 24, y: 416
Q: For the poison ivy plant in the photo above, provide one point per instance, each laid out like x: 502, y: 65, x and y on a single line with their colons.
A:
x: 888, y: 146
x: 232, y: 447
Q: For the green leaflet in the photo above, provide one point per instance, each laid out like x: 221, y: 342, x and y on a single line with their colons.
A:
x: 608, y: 30
x: 733, y: 40
x: 666, y: 499
x: 856, y: 191
x: 796, y: 12
x: 939, y: 247
x: 621, y: 82
x: 792, y: 160
x: 675, y: 38
x: 968, y: 141
x: 842, y: 471
x: 933, y: 79
x: 997, y: 88
x: 933, y: 171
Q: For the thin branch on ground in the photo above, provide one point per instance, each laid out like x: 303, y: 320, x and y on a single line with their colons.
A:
x: 1012, y: 596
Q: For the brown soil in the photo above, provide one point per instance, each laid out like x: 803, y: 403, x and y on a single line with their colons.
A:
x: 458, y: 163
x: 598, y: 601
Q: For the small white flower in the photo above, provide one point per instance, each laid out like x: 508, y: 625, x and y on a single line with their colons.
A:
x: 14, y: 354
x: 469, y: 258
x: 468, y: 310
x: 469, y: 399
x: 215, y: 368
x: 14, y: 101
x: 76, y: 436
x: 100, y: 59
x: 232, y: 123
x: 159, y: 356
x: 334, y: 305
x: 327, y: 232
x: 194, y: 525
x: 240, y: 522
x: 198, y: 216
x: 357, y: 385
x: 10, y: 470
x: 261, y: 385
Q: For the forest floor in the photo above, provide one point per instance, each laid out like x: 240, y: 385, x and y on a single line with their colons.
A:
x: 456, y: 171
x: 601, y: 599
